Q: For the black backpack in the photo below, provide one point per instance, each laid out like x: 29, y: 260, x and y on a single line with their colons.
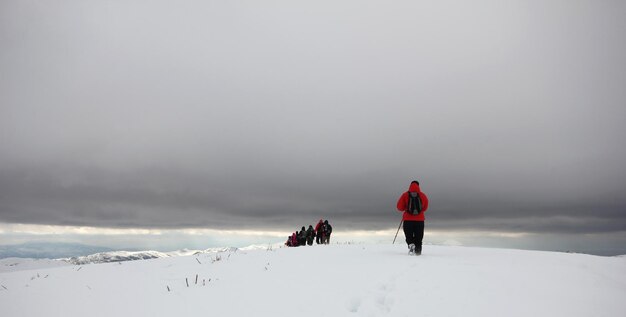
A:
x: 414, y: 207
x: 328, y: 229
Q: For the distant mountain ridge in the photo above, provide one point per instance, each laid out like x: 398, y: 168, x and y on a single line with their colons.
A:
x: 115, y: 256
x: 47, y: 250
x: 121, y: 256
x: 11, y: 264
x: 77, y: 253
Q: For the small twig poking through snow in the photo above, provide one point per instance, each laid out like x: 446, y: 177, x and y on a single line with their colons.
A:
x: 46, y: 276
x: 4, y: 287
x: 198, y: 261
x: 168, y: 288
x: 187, y: 281
x: 79, y: 269
x: 196, y: 279
x: 203, y: 282
x: 88, y: 287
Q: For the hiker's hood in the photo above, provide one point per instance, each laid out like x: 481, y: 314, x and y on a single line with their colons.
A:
x: 414, y: 187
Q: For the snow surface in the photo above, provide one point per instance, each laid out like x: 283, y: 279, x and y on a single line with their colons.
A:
x: 326, y: 280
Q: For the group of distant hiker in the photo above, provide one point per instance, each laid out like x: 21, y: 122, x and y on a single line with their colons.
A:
x: 321, y: 233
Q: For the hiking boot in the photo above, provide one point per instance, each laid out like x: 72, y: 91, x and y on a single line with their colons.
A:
x: 411, y: 249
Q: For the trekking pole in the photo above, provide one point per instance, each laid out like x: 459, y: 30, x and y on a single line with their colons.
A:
x: 394, y: 238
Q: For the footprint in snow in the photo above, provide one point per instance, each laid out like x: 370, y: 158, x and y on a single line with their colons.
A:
x: 353, y: 305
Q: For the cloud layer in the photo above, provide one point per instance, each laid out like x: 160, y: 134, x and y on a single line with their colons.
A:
x: 247, y: 115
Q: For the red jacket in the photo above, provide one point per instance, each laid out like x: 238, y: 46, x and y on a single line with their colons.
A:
x: 319, y: 226
x: 403, y: 202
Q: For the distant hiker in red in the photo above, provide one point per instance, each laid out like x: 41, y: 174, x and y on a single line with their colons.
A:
x: 414, y: 204
x: 294, y: 240
x: 318, y: 231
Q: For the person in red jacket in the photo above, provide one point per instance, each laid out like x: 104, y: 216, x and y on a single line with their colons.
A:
x: 318, y: 232
x: 413, y: 204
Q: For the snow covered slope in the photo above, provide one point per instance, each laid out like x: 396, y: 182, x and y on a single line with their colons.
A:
x: 335, y: 280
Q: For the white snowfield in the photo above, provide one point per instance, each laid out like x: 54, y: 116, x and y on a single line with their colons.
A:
x: 327, y: 280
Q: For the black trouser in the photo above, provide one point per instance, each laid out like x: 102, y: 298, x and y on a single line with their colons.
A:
x: 414, y: 233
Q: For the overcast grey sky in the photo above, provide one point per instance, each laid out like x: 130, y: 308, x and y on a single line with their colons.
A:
x: 266, y: 115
